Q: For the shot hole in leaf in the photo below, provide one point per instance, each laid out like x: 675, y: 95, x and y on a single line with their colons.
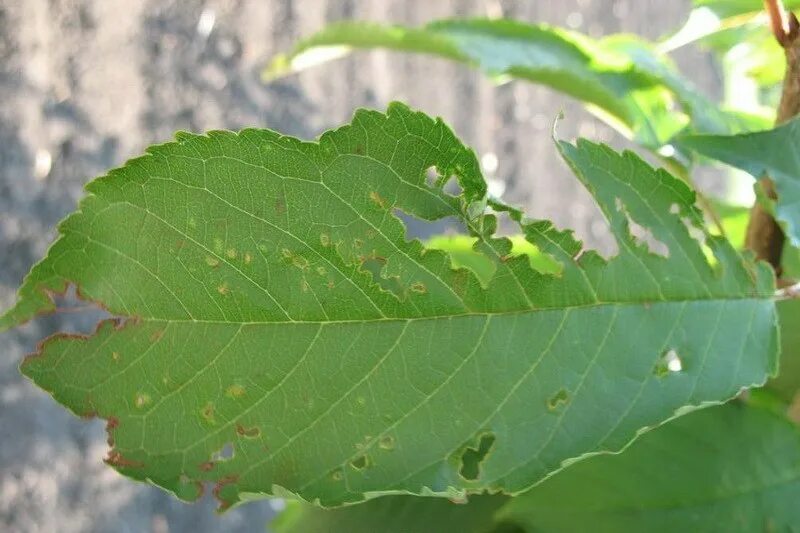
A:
x: 472, y: 458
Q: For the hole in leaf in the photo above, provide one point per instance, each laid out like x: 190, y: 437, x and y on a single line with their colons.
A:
x: 86, y: 317
x: 472, y: 458
x: 374, y: 265
x: 668, y: 363
x: 557, y: 400
x: 225, y: 453
x: 432, y: 176
x: 337, y: 475
x: 360, y: 463
x: 418, y: 228
x: 462, y: 255
x: 642, y: 234
x: 542, y: 262
x: 700, y: 236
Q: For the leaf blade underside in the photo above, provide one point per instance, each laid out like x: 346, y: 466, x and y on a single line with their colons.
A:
x: 732, y: 467
x: 273, y: 308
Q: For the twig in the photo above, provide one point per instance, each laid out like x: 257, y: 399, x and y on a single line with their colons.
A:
x: 764, y: 235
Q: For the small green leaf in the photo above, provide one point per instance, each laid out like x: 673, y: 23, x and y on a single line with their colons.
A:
x: 771, y: 153
x: 275, y: 332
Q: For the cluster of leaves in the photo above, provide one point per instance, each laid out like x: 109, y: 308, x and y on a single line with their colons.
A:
x: 276, y: 333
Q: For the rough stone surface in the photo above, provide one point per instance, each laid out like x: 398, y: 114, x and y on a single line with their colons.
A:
x: 86, y: 84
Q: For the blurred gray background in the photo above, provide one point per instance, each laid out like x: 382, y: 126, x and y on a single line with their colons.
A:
x: 87, y: 84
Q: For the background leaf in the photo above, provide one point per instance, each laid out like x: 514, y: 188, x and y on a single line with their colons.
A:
x: 624, y: 77
x: 772, y: 153
x: 395, y: 514
x: 729, y: 468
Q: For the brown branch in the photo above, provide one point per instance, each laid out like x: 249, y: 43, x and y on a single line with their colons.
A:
x: 764, y: 236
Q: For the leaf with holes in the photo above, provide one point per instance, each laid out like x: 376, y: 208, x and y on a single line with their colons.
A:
x: 772, y: 153
x: 275, y: 332
x: 729, y: 468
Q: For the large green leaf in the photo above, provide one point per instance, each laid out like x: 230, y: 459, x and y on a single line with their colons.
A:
x: 566, y: 61
x: 705, y: 116
x: 728, y: 468
x: 270, y: 305
x: 772, y: 153
x: 624, y: 77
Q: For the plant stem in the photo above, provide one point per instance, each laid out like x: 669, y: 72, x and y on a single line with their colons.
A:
x: 764, y: 235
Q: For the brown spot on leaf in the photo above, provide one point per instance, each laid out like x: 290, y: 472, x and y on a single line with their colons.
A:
x: 249, y: 433
x: 207, y: 466
x: 117, y: 460
x: 227, y: 480
x: 111, y: 424
x: 419, y: 287
x: 207, y: 413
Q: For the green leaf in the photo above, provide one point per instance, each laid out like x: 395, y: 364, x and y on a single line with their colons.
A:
x: 565, y: 61
x: 269, y: 306
x: 734, y: 220
x: 462, y: 254
x: 770, y: 153
x: 730, y: 8
x: 395, y: 514
x: 729, y: 468
x: 787, y: 384
x: 706, y: 116
x: 622, y: 77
